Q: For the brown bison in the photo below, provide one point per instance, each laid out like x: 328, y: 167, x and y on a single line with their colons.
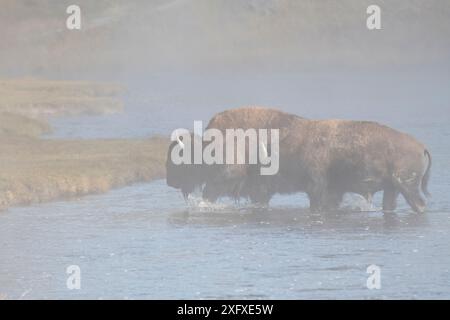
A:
x: 224, y: 179
x: 332, y: 157
x: 324, y: 158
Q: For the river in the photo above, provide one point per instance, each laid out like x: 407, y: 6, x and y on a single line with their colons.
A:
x: 143, y: 241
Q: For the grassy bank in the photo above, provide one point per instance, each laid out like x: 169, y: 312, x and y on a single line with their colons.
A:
x: 33, y: 170
x: 37, y: 98
x: 12, y: 124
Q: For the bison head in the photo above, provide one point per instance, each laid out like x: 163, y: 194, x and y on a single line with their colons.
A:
x: 185, y: 176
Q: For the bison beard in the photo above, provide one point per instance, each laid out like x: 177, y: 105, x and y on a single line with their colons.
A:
x: 324, y: 158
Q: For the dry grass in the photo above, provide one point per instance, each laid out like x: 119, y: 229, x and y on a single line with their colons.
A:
x: 34, y: 98
x: 33, y: 170
x: 18, y: 125
x: 37, y: 170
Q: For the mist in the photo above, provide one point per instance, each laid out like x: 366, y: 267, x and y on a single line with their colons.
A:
x: 86, y: 116
x: 119, y: 38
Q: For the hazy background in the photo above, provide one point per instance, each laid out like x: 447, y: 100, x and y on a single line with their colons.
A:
x: 125, y: 38
x: 198, y: 57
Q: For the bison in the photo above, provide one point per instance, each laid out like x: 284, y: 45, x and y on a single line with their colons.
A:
x: 332, y: 157
x: 227, y: 180
x: 323, y: 158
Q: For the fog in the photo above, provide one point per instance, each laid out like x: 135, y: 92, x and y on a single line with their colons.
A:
x: 145, y: 68
x: 125, y: 38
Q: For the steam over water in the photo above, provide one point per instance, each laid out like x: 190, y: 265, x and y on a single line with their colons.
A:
x: 143, y: 241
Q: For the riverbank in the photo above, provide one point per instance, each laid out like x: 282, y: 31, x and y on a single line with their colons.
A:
x: 41, y: 98
x: 34, y: 170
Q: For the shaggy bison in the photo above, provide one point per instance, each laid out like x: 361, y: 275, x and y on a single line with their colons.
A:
x: 325, y: 159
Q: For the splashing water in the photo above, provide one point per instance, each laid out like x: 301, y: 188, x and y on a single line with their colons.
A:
x: 356, y: 202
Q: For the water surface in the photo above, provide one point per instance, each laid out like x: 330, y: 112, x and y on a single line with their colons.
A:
x: 143, y: 241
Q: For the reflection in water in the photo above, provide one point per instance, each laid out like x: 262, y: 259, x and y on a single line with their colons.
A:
x: 301, y: 219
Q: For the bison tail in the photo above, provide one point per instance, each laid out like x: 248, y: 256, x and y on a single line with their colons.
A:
x: 426, y: 176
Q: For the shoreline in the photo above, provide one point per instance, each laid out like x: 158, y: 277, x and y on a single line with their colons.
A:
x: 39, y: 98
x: 35, y: 170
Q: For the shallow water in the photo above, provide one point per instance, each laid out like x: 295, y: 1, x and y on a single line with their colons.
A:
x: 143, y: 241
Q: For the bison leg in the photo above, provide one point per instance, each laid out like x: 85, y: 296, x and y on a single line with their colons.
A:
x: 317, y: 202
x: 260, y: 196
x: 211, y: 192
x: 334, y: 200
x: 415, y: 200
x: 318, y: 195
x: 260, y: 199
x: 390, y: 195
x: 314, y: 203
x: 410, y: 190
